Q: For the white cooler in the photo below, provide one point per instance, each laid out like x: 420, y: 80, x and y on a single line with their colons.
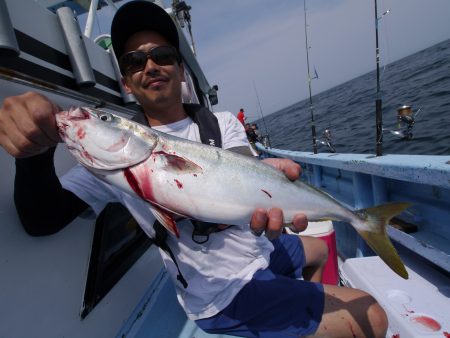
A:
x: 416, y: 308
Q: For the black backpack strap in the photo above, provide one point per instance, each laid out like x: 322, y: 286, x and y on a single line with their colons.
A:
x: 161, y: 241
x: 207, y: 123
x: 210, y: 134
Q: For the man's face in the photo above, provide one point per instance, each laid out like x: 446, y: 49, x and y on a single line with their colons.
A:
x: 155, y: 87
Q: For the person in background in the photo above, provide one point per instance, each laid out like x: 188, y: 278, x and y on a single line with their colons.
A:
x: 251, y: 135
x: 244, y: 280
x: 256, y: 131
x: 241, y: 116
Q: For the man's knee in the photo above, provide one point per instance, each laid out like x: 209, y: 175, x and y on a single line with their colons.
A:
x: 320, y: 252
x: 323, y: 252
x: 316, y: 250
x: 378, y: 319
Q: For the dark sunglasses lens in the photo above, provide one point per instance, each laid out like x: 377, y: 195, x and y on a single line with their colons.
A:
x: 133, y: 62
x: 164, y: 55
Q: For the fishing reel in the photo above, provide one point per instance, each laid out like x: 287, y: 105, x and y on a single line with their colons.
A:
x: 265, y: 141
x: 405, y: 123
x: 408, y: 121
x: 327, y: 140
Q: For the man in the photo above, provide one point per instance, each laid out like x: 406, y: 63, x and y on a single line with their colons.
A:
x: 238, y: 282
x: 241, y: 116
x: 256, y: 131
x: 251, y: 135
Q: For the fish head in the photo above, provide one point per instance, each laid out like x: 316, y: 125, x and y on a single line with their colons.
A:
x: 102, y: 140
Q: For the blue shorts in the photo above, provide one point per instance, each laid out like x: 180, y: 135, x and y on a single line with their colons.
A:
x: 274, y: 304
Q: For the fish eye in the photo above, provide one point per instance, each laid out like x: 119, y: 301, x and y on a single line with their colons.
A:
x: 105, y: 117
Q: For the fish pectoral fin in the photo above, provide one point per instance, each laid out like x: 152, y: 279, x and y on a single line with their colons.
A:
x: 166, y: 219
x: 177, y: 164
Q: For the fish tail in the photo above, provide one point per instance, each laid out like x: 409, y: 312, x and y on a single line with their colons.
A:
x: 376, y: 237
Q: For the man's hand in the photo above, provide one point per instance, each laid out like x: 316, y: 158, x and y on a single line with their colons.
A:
x: 272, y: 221
x: 28, y: 125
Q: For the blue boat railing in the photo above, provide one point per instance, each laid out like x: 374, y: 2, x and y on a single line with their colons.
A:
x: 362, y: 180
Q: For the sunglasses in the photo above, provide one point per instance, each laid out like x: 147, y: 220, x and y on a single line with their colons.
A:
x: 135, y: 61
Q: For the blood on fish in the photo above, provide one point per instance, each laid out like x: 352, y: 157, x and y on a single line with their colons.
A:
x: 140, y: 183
x: 88, y: 156
x: 132, y: 181
x: 81, y: 133
x: 179, y: 184
x: 446, y: 334
x: 147, y: 194
x: 266, y: 193
x: 397, y: 335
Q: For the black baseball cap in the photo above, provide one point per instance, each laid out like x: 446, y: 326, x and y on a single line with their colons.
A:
x: 140, y: 15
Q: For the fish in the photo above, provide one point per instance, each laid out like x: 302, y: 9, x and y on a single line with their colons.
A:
x: 182, y: 178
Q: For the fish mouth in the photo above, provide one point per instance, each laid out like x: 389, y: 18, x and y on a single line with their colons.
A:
x: 62, y: 130
x: 64, y: 118
x: 76, y: 114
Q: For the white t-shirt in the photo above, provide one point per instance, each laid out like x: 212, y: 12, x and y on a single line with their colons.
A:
x: 216, y: 270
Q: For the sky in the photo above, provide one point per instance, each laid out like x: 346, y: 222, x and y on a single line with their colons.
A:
x: 256, y: 48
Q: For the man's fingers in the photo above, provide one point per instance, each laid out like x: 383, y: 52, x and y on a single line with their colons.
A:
x: 28, y: 125
x: 291, y: 169
x: 258, y: 222
x: 299, y: 223
x: 275, y: 223
x: 42, y: 116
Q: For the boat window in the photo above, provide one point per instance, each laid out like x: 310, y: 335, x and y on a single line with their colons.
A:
x: 117, y: 245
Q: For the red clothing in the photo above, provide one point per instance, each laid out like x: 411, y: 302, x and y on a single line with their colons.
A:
x: 241, y: 117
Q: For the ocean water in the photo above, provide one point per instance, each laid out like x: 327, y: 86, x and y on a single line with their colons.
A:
x: 421, y: 80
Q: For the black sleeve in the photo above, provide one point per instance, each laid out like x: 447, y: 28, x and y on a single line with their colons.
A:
x: 43, y: 205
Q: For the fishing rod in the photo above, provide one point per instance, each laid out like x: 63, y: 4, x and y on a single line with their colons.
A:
x: 311, y: 108
x: 378, y: 101
x: 262, y: 116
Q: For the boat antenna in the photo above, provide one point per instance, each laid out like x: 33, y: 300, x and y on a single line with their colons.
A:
x: 91, y: 20
x: 378, y: 101
x: 181, y: 10
x: 262, y: 115
x: 311, y: 107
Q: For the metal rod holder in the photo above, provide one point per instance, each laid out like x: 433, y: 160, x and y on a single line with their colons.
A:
x: 76, y: 49
x: 126, y: 97
x: 8, y: 41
